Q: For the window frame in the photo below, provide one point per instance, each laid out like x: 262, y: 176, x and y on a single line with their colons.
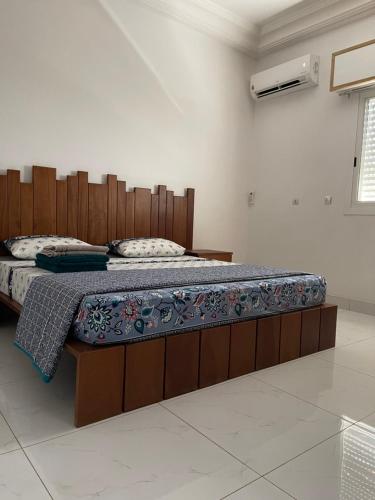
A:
x: 357, y: 207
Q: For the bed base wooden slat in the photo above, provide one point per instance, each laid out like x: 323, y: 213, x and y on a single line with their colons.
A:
x: 114, y: 379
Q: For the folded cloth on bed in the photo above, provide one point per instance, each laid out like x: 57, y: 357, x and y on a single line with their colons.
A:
x: 72, y: 263
x: 52, y: 301
x: 57, y: 250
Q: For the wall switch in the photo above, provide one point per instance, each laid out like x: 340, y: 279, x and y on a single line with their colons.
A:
x: 251, y: 198
x: 295, y: 201
x: 328, y: 200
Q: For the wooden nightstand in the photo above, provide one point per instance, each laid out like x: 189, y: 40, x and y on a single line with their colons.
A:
x: 211, y: 254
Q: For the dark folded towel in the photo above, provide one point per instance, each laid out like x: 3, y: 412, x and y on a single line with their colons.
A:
x: 72, y: 268
x: 73, y: 259
x: 72, y: 263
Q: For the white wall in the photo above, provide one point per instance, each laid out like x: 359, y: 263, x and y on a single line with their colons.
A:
x: 305, y: 147
x: 141, y: 96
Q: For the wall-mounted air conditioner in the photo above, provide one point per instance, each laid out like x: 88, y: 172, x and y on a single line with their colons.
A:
x: 285, y: 78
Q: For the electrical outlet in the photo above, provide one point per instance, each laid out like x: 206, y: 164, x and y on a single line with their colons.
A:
x: 295, y: 201
x: 328, y: 200
x: 251, y: 198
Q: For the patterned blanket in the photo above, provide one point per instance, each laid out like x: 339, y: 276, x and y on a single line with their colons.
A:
x: 52, y: 301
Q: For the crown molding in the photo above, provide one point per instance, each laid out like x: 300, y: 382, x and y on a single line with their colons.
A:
x: 310, y: 18
x: 210, y: 18
x: 303, y: 20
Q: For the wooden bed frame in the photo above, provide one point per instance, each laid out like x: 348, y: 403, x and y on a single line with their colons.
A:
x: 117, y: 378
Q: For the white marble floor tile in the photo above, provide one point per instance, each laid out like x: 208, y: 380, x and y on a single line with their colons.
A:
x: 7, y: 439
x: 353, y: 327
x: 262, y: 426
x: 359, y: 356
x: 149, y: 454
x: 36, y: 411
x: 259, y: 490
x: 14, y: 365
x: 18, y: 480
x: 340, y: 468
x: 335, y: 388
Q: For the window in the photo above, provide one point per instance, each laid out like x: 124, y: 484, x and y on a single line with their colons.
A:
x: 363, y: 189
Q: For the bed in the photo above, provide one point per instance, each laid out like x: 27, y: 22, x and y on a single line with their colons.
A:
x: 200, y: 321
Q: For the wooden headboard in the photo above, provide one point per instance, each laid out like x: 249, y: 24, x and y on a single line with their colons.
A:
x: 96, y: 213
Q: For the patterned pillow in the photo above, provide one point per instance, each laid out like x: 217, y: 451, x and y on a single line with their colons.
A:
x: 146, y: 247
x: 26, y: 247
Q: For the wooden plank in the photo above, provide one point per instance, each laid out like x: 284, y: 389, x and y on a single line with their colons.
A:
x: 4, y: 226
x: 310, y: 331
x: 290, y: 336
x: 142, y: 213
x: 44, y: 182
x: 328, y: 322
x: 112, y: 206
x: 268, y: 342
x: 154, y: 230
x: 179, y: 220
x: 99, y: 384
x: 27, y: 209
x: 62, y: 207
x: 72, y: 181
x: 181, y: 364
x: 98, y: 214
x: 10, y: 303
x: 190, y: 193
x: 144, y: 373
x: 14, y: 202
x: 121, y: 210
x: 162, y: 190
x: 242, y: 348
x: 214, y: 355
x: 83, y: 205
x: 130, y: 215
x: 169, y: 216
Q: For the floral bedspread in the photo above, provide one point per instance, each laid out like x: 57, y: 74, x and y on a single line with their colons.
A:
x: 124, y: 317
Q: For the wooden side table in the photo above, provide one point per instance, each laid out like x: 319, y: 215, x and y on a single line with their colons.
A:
x: 211, y: 254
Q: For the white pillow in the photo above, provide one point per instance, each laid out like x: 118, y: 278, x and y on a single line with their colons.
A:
x: 146, y: 247
x: 26, y: 247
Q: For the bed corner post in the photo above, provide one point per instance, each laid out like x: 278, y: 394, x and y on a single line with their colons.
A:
x: 99, y: 382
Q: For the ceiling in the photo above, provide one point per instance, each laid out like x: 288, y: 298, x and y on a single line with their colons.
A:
x: 261, y: 26
x: 256, y: 11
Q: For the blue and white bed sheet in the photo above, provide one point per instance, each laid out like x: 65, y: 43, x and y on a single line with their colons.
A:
x: 16, y: 275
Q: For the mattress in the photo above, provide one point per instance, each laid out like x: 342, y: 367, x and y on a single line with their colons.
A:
x: 127, y: 317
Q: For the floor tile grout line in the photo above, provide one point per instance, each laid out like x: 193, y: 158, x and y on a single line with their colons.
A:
x: 37, y: 473
x: 354, y: 342
x: 211, y: 440
x: 89, y: 426
x: 244, y: 463
x: 255, y: 480
x: 25, y: 455
x: 280, y: 488
x: 304, y: 400
x: 239, y: 489
x: 345, y: 366
x: 306, y: 451
x: 13, y: 434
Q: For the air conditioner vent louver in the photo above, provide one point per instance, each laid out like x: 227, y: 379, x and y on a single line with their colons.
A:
x: 286, y: 78
x: 268, y: 91
x: 293, y: 83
